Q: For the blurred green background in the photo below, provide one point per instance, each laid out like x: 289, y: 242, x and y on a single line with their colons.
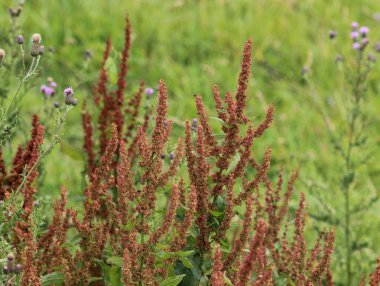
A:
x: 194, y: 44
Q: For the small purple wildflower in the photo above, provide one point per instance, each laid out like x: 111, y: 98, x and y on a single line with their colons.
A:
x: 356, y: 46
x: 43, y: 88
x: 355, y: 35
x: 53, y: 84
x: 149, y: 91
x: 364, y: 31
x: 171, y: 156
x: 68, y: 91
x: 49, y: 91
x: 332, y: 34
x: 354, y: 25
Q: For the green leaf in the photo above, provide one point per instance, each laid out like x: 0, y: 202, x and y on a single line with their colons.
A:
x: 74, y: 153
x: 184, y: 253
x: 172, y: 281
x: 186, y: 262
x: 54, y: 278
x: 115, y: 260
x: 215, y: 213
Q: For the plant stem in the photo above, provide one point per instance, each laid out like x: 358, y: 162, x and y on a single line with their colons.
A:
x: 349, y: 168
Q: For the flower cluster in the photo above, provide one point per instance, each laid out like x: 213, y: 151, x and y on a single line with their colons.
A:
x: 49, y: 89
x: 68, y: 92
x: 359, y: 36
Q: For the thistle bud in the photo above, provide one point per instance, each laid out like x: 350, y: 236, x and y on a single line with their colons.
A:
x: 68, y: 93
x: 10, y: 257
x: 163, y: 156
x: 20, y: 39
x: 6, y: 270
x: 171, y: 156
x: 35, y: 51
x: 41, y: 50
x: 18, y: 269
x: 74, y: 102
x: 56, y: 104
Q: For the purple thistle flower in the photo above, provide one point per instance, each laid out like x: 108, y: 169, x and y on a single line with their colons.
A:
x: 49, y: 91
x: 354, y: 25
x: 68, y: 91
x: 43, y: 88
x: 356, y: 46
x: 149, y: 91
x: 364, y: 31
x: 53, y: 84
x: 355, y: 35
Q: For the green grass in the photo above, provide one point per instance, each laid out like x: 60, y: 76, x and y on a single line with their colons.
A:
x: 194, y: 44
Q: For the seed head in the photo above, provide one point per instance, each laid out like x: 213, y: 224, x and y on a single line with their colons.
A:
x: 20, y: 39
x: 36, y: 38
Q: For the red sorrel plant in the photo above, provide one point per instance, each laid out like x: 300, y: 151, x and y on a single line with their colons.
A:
x: 213, y: 218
